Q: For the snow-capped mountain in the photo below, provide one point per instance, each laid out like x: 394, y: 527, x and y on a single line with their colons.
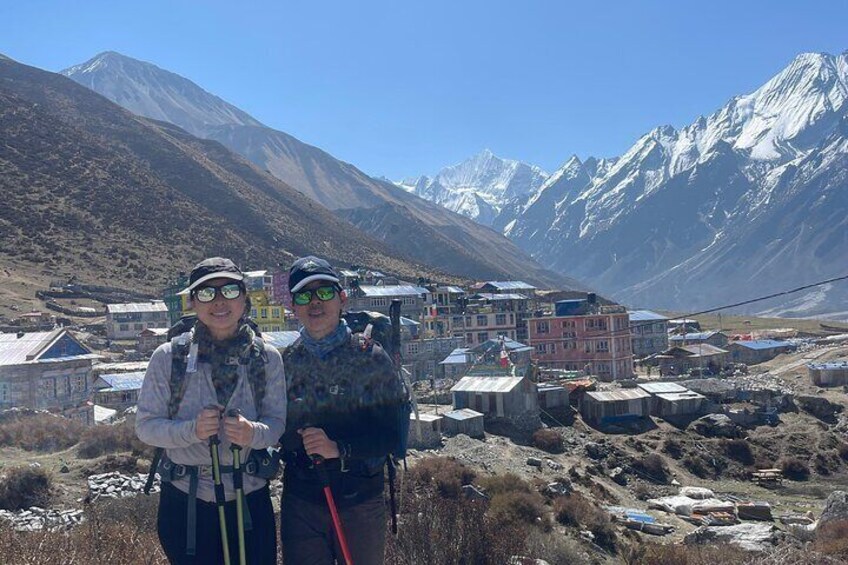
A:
x: 480, y: 186
x: 749, y: 200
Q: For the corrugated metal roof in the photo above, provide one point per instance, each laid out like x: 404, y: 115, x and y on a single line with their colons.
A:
x: 486, y: 384
x: 103, y: 414
x: 254, y: 274
x: 14, y: 350
x: 425, y: 417
x: 505, y: 296
x: 393, y: 290
x: 762, y: 344
x: 137, y: 307
x: 463, y: 414
x: 280, y: 340
x: 129, y: 367
x: 348, y: 273
x: 122, y: 381
x: 549, y: 387
x: 450, y: 289
x: 617, y: 395
x: 674, y: 396
x: 703, y: 349
x: 456, y: 357
x: 511, y: 346
x: 646, y: 316
x: 511, y: 285
x: 692, y: 336
x: 661, y: 388
x: 829, y: 366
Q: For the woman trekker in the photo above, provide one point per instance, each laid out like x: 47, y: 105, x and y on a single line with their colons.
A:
x: 209, y: 395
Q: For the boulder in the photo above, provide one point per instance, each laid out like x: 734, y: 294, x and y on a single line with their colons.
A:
x: 834, y: 517
x: 748, y: 536
x: 715, y: 425
x: 819, y: 407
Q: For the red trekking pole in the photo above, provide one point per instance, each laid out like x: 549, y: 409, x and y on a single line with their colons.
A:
x: 318, y: 462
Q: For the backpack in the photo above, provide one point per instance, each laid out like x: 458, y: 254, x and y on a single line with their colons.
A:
x: 368, y: 328
x: 180, y: 338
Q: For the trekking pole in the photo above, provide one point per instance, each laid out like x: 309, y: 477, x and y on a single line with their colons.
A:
x: 318, y: 462
x: 239, y: 488
x: 214, y: 442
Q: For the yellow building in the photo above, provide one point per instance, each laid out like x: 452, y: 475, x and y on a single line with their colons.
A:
x: 269, y: 317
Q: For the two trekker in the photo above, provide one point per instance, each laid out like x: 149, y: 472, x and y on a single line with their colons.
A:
x: 210, y: 395
x: 340, y: 404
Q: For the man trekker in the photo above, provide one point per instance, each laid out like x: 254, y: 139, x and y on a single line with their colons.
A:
x: 202, y: 387
x: 343, y: 398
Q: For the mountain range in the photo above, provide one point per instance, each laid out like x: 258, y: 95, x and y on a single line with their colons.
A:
x: 94, y: 191
x: 747, y: 201
x: 409, y: 226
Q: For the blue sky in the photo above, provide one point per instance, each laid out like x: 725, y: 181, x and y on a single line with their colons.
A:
x: 405, y: 88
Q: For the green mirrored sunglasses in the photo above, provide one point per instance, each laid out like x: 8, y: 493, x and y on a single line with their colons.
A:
x: 208, y: 293
x: 304, y: 297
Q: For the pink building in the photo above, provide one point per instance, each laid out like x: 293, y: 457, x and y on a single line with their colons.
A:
x: 584, y: 336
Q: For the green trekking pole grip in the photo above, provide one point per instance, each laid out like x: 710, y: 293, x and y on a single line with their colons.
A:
x: 238, y: 485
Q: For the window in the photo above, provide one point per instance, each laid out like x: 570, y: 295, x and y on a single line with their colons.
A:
x: 482, y: 336
x: 511, y: 319
x: 138, y: 326
x: 5, y: 392
x: 542, y: 348
x: 275, y: 312
x: 602, y: 345
x: 124, y: 327
x: 48, y: 387
x: 263, y: 313
x: 482, y: 320
x: 469, y: 338
x: 500, y: 319
x: 408, y: 301
x: 553, y: 348
x: 457, y: 321
x: 587, y: 347
x: 428, y: 346
x: 413, y: 348
x: 542, y: 327
x: 381, y: 301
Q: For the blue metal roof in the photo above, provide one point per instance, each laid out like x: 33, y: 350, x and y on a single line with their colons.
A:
x: 122, y: 381
x: 511, y: 346
x: 829, y: 365
x: 646, y: 316
x: 457, y: 357
x: 761, y: 344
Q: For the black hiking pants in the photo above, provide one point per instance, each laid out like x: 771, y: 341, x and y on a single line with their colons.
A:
x: 260, y: 542
x: 308, y: 537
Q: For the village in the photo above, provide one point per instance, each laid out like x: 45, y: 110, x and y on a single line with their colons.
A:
x: 495, y: 363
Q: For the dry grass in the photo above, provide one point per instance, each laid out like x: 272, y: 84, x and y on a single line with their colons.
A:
x: 40, y: 432
x: 548, y: 440
x: 448, y: 475
x: 102, y: 440
x: 23, y: 487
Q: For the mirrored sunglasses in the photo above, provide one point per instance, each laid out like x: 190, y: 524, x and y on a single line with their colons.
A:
x: 208, y: 293
x: 304, y: 297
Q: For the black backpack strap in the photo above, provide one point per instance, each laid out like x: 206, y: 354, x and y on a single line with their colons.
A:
x: 180, y: 346
x: 390, y: 463
x: 256, y: 374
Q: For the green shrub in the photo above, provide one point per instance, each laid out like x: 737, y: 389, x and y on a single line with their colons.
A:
x: 22, y: 487
x: 573, y: 509
x: 548, y: 440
